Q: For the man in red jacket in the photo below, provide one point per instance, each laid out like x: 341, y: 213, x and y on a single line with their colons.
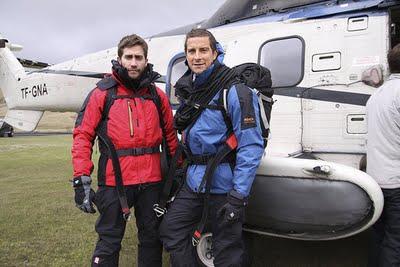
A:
x: 130, y: 116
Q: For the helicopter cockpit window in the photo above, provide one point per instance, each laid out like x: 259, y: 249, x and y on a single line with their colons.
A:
x: 176, y: 69
x: 285, y: 59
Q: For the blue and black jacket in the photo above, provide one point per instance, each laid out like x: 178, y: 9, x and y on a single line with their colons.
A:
x: 206, y: 134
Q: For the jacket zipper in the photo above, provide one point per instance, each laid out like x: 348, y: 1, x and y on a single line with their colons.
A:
x: 137, y: 119
x: 137, y: 124
x: 130, y: 118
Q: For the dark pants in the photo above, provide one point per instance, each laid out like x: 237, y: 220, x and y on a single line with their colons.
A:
x: 111, y: 225
x: 385, y: 244
x: 180, y: 221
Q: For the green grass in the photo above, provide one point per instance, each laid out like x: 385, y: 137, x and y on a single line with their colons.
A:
x: 39, y: 223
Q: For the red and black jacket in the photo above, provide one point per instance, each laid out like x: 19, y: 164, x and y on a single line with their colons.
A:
x: 132, y: 123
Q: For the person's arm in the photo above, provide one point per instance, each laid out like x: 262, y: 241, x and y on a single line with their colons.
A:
x: 168, y: 119
x: 244, y: 112
x: 84, y: 132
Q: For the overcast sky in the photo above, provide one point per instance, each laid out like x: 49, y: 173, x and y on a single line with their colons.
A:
x: 53, y: 31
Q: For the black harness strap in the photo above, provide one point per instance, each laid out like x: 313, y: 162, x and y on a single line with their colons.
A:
x: 229, y: 146
x: 137, y: 151
x: 166, y: 153
x: 161, y: 208
x: 111, y: 152
x: 118, y: 175
x: 102, y: 126
x: 222, y: 100
x: 205, y: 159
x: 114, y: 154
x: 200, y: 106
x: 211, y: 160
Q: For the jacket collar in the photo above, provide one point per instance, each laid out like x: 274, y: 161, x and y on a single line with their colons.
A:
x: 121, y: 75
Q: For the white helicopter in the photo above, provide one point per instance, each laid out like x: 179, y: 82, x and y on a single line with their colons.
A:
x: 326, y: 58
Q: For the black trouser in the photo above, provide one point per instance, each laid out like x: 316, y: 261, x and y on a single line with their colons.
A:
x: 385, y: 244
x: 111, y: 225
x: 183, y: 216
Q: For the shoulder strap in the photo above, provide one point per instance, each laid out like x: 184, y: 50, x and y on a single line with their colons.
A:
x: 157, y: 101
x: 112, y: 95
x: 110, y: 98
x: 101, y: 131
x: 263, y: 115
x: 110, y: 84
x: 106, y: 83
x: 223, y: 100
x: 166, y: 153
x: 260, y: 98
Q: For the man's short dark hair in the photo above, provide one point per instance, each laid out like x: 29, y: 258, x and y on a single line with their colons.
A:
x: 202, y: 33
x: 393, y: 58
x: 130, y: 41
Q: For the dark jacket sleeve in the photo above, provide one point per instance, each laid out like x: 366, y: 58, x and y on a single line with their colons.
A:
x: 84, y: 132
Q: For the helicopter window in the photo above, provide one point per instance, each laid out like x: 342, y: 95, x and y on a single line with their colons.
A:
x: 176, y: 69
x: 285, y: 59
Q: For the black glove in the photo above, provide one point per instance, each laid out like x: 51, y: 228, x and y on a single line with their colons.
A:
x: 84, y: 194
x: 233, y: 209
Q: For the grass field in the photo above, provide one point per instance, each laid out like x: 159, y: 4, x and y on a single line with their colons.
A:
x: 39, y: 223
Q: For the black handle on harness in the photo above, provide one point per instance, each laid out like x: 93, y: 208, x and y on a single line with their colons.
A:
x: 161, y: 208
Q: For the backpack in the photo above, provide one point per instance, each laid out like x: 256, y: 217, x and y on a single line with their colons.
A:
x: 257, y: 78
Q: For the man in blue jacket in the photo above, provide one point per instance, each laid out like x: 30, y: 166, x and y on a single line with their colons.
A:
x: 206, y: 131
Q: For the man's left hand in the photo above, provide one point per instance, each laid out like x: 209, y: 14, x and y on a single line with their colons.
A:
x: 233, y: 209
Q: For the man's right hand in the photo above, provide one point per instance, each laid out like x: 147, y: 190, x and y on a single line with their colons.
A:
x: 84, y: 194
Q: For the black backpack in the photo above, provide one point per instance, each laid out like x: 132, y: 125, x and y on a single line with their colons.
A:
x: 258, y: 78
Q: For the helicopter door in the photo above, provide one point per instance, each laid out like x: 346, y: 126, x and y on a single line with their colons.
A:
x: 284, y: 57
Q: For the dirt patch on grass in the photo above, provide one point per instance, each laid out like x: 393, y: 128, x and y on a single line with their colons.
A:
x: 57, y: 121
x: 19, y: 147
x: 51, y: 121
